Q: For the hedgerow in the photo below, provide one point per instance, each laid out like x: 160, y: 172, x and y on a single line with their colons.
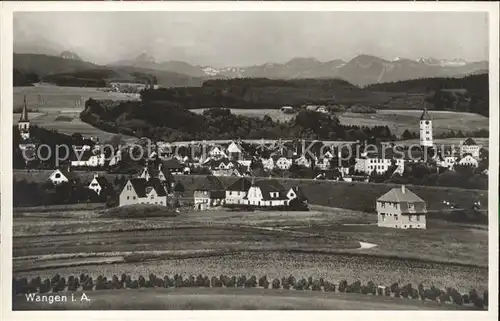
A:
x: 85, y: 283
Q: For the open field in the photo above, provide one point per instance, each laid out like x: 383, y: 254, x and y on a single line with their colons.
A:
x: 49, y: 98
x: 316, y: 243
x: 484, y: 142
x: 228, y: 299
x: 397, y: 120
x: 59, y: 108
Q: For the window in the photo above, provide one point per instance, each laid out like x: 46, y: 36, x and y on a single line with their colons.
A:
x: 128, y: 197
x: 396, y: 217
x: 426, y: 138
x: 57, y: 175
x: 411, y: 207
x: 152, y: 197
x: 418, y: 217
x: 382, y: 204
x: 427, y: 122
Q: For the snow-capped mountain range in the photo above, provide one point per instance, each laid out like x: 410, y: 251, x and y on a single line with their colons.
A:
x: 361, y: 70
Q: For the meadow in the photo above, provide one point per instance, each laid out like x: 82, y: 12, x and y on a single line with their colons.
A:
x: 397, y: 120
x: 59, y: 108
x: 228, y: 299
x: 320, y: 243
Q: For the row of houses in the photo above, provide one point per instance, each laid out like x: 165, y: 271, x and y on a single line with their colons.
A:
x: 264, y: 193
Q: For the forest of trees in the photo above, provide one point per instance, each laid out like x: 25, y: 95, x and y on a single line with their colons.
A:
x: 22, y: 78
x: 467, y: 94
x: 170, y: 121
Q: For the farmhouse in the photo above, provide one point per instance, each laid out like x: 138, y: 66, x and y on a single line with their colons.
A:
x: 63, y: 175
x: 234, y: 151
x: 296, y: 193
x: 401, y: 208
x: 237, y: 192
x: 267, y: 193
x: 100, y: 183
x: 141, y: 191
x: 209, y: 193
x: 287, y: 109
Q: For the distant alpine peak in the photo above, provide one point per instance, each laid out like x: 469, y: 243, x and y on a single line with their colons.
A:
x: 144, y: 57
x: 70, y: 55
x: 442, y: 62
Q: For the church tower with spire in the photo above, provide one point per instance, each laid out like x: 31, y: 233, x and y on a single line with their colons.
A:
x: 425, y: 129
x: 24, y: 122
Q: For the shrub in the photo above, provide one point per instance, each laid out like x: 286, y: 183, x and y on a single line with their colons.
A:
x: 214, y: 282
x: 485, y: 297
x: 479, y: 303
x: 329, y: 287
x: 456, y: 297
x: 168, y: 282
x: 206, y: 281
x: 152, y: 278
x: 148, y: 284
x: 354, y: 287
x: 241, y: 281
x: 394, y: 287
x: 421, y: 291
x: 178, y: 282
x: 276, y: 284
x: 45, y: 286
x: 444, y: 298
x: 372, y: 288
x: 316, y: 285
x: 473, y: 296
x: 141, y: 281
x: 387, y: 291
x: 465, y: 299
x: 292, y: 281
x: 365, y: 289
x: 414, y: 294
x: 225, y: 280
x: 55, y: 279
x: 199, y: 280
x: 343, y: 286
x: 115, y: 282
x: 301, y: 284
x: 380, y: 291
x: 263, y: 282
x: 251, y: 282
x: 134, y: 284
x: 88, y: 285
x: 123, y: 278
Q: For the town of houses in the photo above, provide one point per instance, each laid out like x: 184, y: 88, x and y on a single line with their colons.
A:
x: 252, y: 163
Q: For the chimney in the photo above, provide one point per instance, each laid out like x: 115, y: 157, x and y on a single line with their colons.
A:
x: 403, y: 189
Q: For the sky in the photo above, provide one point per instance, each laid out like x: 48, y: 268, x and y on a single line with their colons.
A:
x: 248, y: 38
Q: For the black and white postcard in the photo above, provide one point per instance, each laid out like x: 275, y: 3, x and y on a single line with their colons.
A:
x: 249, y: 156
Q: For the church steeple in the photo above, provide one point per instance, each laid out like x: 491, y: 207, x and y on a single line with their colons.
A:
x: 426, y: 129
x: 24, y: 113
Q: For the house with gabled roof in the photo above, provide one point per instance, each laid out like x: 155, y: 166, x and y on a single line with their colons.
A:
x: 401, y: 208
x: 237, y: 192
x: 141, y: 191
x: 210, y: 192
x: 63, y: 175
x: 100, y: 183
x: 267, y: 193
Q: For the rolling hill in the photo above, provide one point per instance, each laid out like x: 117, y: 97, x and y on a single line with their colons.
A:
x: 68, y: 69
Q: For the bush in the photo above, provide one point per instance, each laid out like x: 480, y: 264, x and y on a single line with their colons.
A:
x: 421, y: 291
x: 465, y: 298
x: 372, y: 288
x: 276, y: 284
x: 206, y: 281
x: 45, y: 286
x: 444, y: 298
x: 225, y: 280
x: 479, y: 303
x: 88, y: 285
x: 485, y: 297
x: 387, y: 291
x: 134, y: 284
x: 263, y: 283
x: 354, y: 287
x: 292, y: 281
x: 141, y: 281
x: 316, y: 285
x: 329, y: 287
x: 456, y: 297
x: 473, y: 296
x: 168, y: 282
x: 251, y: 282
x: 343, y: 286
x: 215, y: 282
x: 380, y: 291
x: 241, y: 281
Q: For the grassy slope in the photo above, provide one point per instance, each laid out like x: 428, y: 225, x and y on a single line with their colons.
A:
x: 228, y: 299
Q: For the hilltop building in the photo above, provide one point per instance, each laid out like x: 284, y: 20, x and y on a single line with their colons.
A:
x: 401, y: 208
x: 24, y: 122
x: 425, y: 129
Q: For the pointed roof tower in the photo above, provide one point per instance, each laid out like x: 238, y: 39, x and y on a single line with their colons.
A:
x: 425, y: 115
x: 24, y: 113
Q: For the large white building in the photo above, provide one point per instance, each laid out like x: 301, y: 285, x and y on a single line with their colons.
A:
x: 469, y: 146
x: 401, y: 208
